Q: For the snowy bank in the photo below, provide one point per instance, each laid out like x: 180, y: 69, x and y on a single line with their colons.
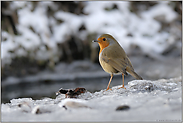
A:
x: 40, y: 33
x: 143, y: 100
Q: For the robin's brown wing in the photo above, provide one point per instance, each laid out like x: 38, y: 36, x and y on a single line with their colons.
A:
x: 121, y: 66
x: 117, y: 58
x: 118, y: 64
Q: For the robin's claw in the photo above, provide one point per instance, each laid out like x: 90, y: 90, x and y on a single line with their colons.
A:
x: 122, y: 87
x: 108, y: 89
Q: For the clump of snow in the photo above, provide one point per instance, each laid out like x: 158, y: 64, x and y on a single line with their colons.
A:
x: 150, y: 86
x: 73, y: 103
x: 7, y: 45
x: 37, y: 29
x: 162, y: 102
x: 160, y: 10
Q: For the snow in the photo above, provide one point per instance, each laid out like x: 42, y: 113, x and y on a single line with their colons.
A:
x: 28, y: 39
x: 158, y: 100
x: 73, y: 103
x: 37, y: 19
x: 119, y: 22
x: 19, y: 4
x: 7, y: 45
x: 160, y: 10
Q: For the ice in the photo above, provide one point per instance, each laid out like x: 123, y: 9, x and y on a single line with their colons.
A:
x: 161, y: 102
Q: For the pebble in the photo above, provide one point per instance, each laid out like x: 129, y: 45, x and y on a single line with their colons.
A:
x: 122, y: 108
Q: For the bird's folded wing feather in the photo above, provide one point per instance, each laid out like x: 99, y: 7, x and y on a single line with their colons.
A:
x: 118, y: 63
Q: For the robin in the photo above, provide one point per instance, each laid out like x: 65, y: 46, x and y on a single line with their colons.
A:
x: 113, y: 58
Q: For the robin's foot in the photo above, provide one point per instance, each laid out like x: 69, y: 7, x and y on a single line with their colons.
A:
x: 108, y: 89
x: 122, y: 87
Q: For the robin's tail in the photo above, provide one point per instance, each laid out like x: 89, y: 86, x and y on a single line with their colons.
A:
x: 135, y: 75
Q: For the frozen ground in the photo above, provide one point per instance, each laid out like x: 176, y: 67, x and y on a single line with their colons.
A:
x: 143, y: 100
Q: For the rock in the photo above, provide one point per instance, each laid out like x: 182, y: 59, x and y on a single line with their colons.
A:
x: 122, y: 108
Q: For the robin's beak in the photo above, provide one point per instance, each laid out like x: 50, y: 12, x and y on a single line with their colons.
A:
x: 95, y: 41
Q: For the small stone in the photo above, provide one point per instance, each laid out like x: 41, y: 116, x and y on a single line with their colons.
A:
x: 36, y: 110
x: 39, y: 110
x: 122, y: 108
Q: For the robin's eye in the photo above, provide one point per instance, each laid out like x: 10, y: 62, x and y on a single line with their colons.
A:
x: 104, y: 39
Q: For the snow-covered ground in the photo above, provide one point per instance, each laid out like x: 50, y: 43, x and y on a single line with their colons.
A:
x: 143, y: 100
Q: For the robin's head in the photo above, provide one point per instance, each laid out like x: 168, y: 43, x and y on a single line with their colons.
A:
x: 104, y: 41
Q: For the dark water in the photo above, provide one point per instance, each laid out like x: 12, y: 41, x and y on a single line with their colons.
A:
x: 38, y: 90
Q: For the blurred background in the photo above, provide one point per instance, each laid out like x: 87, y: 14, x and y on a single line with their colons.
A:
x: 46, y: 46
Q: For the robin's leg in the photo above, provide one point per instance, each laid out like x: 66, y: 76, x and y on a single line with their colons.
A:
x: 109, y: 82
x: 123, y: 82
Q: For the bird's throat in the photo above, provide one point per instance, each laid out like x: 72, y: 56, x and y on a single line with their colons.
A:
x: 103, y: 45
